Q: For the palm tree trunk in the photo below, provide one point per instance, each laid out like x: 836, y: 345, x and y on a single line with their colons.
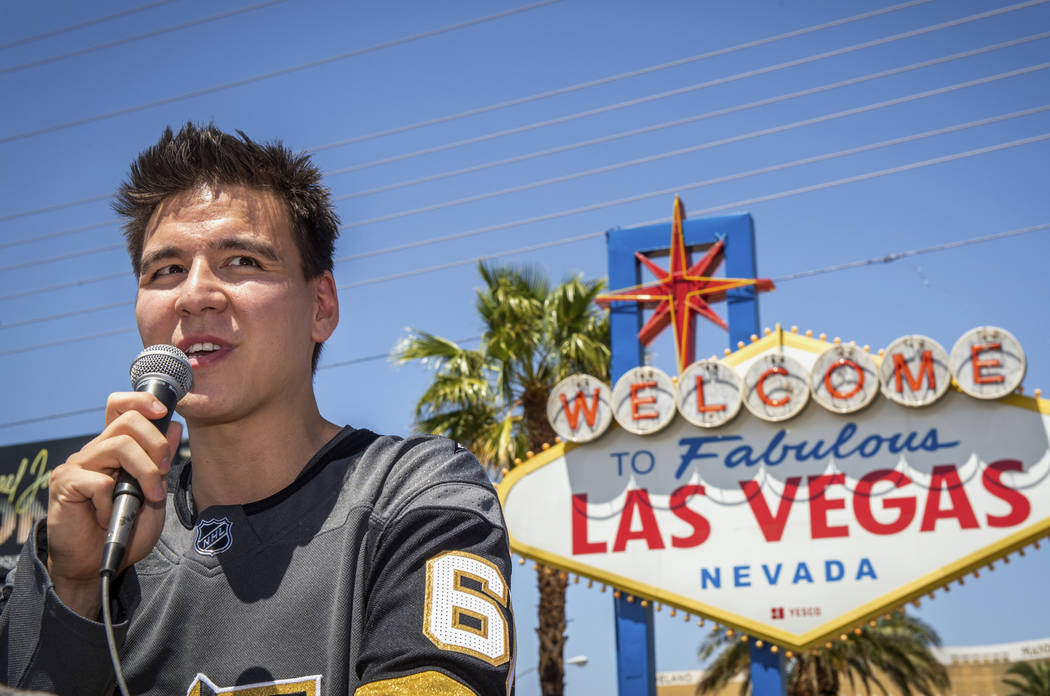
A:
x: 551, y: 630
x: 550, y: 582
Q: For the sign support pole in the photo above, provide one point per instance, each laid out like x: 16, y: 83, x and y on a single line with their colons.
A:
x: 635, y: 655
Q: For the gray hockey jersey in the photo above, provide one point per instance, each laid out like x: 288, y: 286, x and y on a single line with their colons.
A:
x: 383, y: 569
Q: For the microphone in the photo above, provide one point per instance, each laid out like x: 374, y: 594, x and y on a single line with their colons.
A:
x: 165, y: 372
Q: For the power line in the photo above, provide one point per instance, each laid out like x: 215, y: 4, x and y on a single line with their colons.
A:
x: 81, y: 25
x: 713, y: 209
x: 550, y: 93
x: 692, y: 119
x: 63, y: 286
x: 60, y: 257
x: 614, y: 78
x: 647, y: 129
x: 60, y: 233
x: 56, y: 206
x: 137, y: 37
x: 685, y: 90
x: 73, y: 339
x: 889, y: 258
x: 275, y: 73
x: 694, y: 185
x: 643, y: 196
x: 710, y: 144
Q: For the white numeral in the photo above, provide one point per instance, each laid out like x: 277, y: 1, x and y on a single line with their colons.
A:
x: 465, y: 600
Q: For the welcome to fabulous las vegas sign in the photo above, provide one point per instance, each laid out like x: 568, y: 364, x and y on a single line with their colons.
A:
x: 796, y: 488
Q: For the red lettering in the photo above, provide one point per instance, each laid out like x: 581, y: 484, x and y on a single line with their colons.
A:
x: 637, y: 401
x: 701, y: 403
x: 761, y: 388
x: 992, y: 479
x: 579, y: 403
x: 701, y: 527
x: 820, y: 504
x: 900, y: 369
x: 862, y: 503
x: 772, y: 526
x: 843, y: 362
x: 946, y: 476
x: 638, y: 503
x: 580, y: 543
x: 978, y: 365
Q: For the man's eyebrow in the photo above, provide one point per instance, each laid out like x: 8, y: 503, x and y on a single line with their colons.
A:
x: 154, y: 255
x: 263, y: 249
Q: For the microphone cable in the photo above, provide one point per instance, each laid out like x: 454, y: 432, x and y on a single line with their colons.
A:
x: 111, y: 641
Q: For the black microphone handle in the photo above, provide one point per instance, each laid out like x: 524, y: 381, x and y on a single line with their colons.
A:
x: 127, y: 493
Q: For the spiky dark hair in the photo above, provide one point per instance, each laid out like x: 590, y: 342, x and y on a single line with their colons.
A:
x: 199, y: 156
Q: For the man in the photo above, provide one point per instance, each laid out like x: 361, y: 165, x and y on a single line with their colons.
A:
x: 291, y: 555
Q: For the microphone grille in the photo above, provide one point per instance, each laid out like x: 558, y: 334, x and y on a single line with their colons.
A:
x: 167, y: 362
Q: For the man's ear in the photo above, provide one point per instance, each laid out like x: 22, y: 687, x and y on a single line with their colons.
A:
x: 326, y: 307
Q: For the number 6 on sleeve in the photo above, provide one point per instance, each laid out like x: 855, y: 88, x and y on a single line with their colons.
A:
x: 464, y: 611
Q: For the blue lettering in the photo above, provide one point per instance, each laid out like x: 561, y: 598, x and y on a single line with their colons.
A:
x: 776, y: 451
x: 772, y: 578
x: 834, y: 571
x: 930, y: 444
x: 844, y: 436
x: 742, y: 576
x: 695, y: 443
x: 706, y: 577
x: 740, y: 455
x: 866, y: 569
x: 652, y: 461
x: 802, y: 573
x: 870, y: 445
x: 773, y: 444
x: 619, y: 461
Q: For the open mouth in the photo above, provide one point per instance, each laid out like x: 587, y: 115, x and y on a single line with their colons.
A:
x: 198, y: 350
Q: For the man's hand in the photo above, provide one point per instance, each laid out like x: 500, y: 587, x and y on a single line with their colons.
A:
x: 81, y: 497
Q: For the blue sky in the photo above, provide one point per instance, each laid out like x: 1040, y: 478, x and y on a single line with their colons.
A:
x: 965, y: 161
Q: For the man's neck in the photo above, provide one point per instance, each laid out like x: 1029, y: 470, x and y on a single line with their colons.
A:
x: 251, y: 459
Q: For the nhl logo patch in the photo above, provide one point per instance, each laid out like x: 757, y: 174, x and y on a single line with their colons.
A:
x: 213, y: 536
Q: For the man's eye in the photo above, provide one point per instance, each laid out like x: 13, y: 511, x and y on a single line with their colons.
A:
x: 243, y: 261
x: 170, y: 269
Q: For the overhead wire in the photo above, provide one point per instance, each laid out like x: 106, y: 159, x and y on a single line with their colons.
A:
x: 617, y: 77
x: 647, y: 129
x: 704, y: 146
x: 695, y: 185
x: 725, y: 178
x: 727, y: 206
x: 643, y: 196
x: 685, y: 90
x: 549, y: 93
x: 137, y: 37
x: 82, y: 25
x: 561, y: 90
x: 896, y: 256
x: 693, y: 119
x: 275, y: 73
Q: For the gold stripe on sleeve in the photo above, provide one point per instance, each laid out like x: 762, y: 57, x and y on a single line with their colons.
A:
x: 429, y: 683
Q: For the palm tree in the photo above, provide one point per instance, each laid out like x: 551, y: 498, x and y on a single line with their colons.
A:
x: 1033, y: 678
x: 897, y: 649
x: 493, y: 399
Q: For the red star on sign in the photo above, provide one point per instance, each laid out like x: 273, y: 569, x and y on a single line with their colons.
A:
x: 682, y: 292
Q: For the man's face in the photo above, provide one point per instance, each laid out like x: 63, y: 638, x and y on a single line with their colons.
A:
x: 222, y: 279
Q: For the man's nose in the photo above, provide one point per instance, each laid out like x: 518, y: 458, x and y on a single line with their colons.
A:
x: 201, y: 291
